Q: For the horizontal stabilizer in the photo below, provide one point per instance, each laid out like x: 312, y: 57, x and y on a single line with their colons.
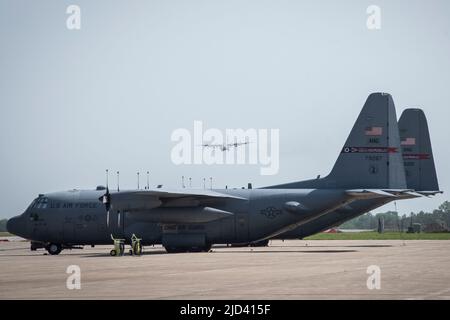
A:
x: 383, y: 193
x: 413, y: 194
x: 429, y: 193
x: 404, y: 193
x: 369, y: 193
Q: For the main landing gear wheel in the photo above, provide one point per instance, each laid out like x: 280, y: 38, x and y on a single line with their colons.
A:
x: 54, y: 248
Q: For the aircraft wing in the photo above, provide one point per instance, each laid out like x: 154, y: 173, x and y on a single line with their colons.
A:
x: 169, y: 206
x: 148, y: 199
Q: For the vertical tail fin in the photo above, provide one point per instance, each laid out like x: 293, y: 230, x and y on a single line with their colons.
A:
x: 371, y: 157
x: 417, y: 152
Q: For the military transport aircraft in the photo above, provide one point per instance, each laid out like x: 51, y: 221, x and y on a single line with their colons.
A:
x: 226, y: 146
x: 369, y: 167
x: 420, y: 174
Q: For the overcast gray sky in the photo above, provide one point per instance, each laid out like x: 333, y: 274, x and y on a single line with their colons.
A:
x: 73, y: 103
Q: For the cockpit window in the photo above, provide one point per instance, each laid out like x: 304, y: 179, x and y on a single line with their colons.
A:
x: 32, y: 204
x: 40, y: 203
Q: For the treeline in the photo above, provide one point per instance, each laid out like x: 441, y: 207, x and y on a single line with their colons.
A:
x: 3, y: 225
x: 436, y: 221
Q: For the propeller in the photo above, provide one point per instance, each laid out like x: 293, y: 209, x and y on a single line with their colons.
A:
x: 106, y: 198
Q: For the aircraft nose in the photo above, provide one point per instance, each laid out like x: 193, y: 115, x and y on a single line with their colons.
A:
x: 15, y: 225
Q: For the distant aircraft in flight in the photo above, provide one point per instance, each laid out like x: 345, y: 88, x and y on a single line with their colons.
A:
x: 225, y: 146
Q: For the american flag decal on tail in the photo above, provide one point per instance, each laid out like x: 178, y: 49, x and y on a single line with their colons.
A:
x: 373, y: 131
x: 408, y: 142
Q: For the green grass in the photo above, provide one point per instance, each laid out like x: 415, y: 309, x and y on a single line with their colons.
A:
x: 370, y: 235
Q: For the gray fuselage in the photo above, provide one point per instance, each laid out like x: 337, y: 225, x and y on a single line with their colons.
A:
x: 79, y: 218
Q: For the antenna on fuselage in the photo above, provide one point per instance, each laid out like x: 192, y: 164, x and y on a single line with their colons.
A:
x: 138, y: 180
x: 118, y: 176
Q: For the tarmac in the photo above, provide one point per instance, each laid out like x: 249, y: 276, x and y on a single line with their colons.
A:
x: 297, y: 269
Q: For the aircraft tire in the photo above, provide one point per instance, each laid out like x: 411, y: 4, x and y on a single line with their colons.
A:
x: 137, y: 249
x: 54, y: 248
x: 113, y: 253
